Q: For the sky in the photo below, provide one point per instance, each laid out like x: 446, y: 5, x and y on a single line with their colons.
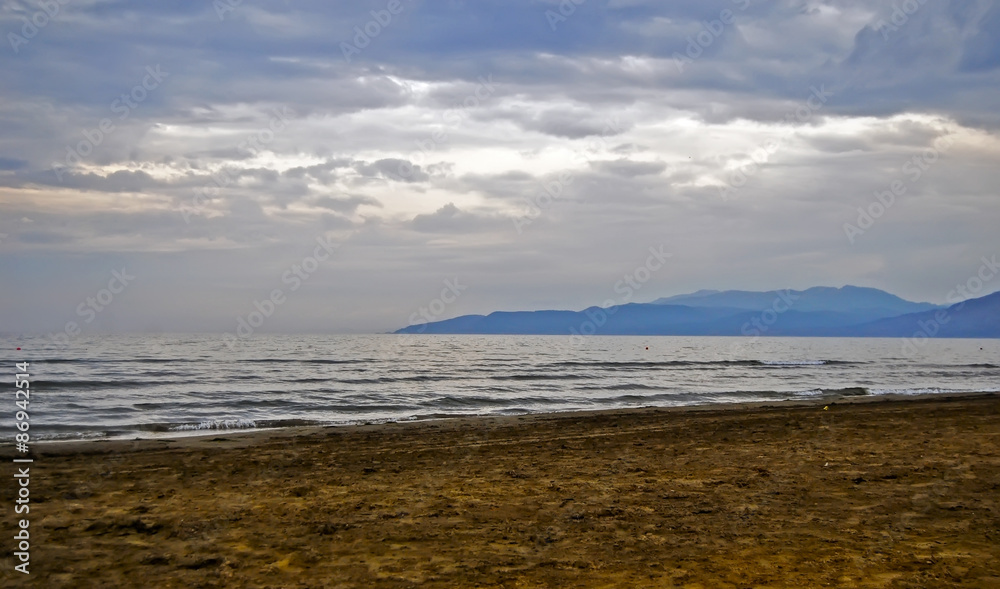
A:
x: 353, y: 167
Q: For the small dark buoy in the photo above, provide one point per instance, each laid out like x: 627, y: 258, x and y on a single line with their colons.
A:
x: 19, y: 349
x: 647, y: 347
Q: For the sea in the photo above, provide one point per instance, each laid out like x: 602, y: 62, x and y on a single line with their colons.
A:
x: 148, y: 386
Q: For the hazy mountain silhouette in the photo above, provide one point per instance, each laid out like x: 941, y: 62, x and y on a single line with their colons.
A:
x: 848, y: 299
x: 972, y: 318
x: 818, y: 312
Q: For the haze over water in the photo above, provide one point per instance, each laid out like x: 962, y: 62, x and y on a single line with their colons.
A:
x: 142, y: 386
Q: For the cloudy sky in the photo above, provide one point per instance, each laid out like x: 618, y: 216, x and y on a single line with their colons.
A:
x: 532, y: 151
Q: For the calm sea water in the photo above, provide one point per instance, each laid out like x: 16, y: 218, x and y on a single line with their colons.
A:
x: 155, y: 385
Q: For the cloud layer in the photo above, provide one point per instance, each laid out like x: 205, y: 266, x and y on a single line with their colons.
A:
x: 533, y: 149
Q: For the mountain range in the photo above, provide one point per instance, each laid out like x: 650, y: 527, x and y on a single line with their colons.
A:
x: 849, y: 311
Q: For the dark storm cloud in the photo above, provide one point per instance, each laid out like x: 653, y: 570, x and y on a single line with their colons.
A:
x: 9, y: 163
x: 121, y: 181
x: 392, y: 169
x: 629, y: 168
x: 321, y: 172
x: 449, y: 219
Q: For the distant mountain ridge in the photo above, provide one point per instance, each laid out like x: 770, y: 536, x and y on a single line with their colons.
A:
x: 977, y: 318
x: 847, y: 299
x: 848, y: 311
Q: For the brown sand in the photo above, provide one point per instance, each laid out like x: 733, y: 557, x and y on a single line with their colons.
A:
x: 895, y: 493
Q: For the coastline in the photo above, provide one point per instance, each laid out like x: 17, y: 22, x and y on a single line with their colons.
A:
x: 869, y: 492
x: 248, y: 437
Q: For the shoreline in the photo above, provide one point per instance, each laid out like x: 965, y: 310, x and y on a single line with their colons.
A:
x: 248, y: 437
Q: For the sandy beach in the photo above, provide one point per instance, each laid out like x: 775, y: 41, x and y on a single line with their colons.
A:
x: 886, y: 492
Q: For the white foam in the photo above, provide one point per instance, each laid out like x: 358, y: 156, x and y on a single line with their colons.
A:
x: 810, y: 393
x: 218, y: 424
x: 930, y: 391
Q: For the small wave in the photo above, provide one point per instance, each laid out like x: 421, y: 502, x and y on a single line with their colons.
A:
x: 302, y: 361
x: 932, y: 391
x: 846, y: 391
x: 393, y: 379
x: 543, y: 376
x: 651, y: 364
x: 117, y: 360
x: 793, y: 362
x: 645, y: 399
x: 622, y: 387
x: 699, y: 363
x: 110, y: 383
x: 452, y: 401
x: 75, y: 434
x: 217, y: 424
x: 810, y: 393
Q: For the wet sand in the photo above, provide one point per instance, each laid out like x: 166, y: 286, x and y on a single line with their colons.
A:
x: 868, y: 493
